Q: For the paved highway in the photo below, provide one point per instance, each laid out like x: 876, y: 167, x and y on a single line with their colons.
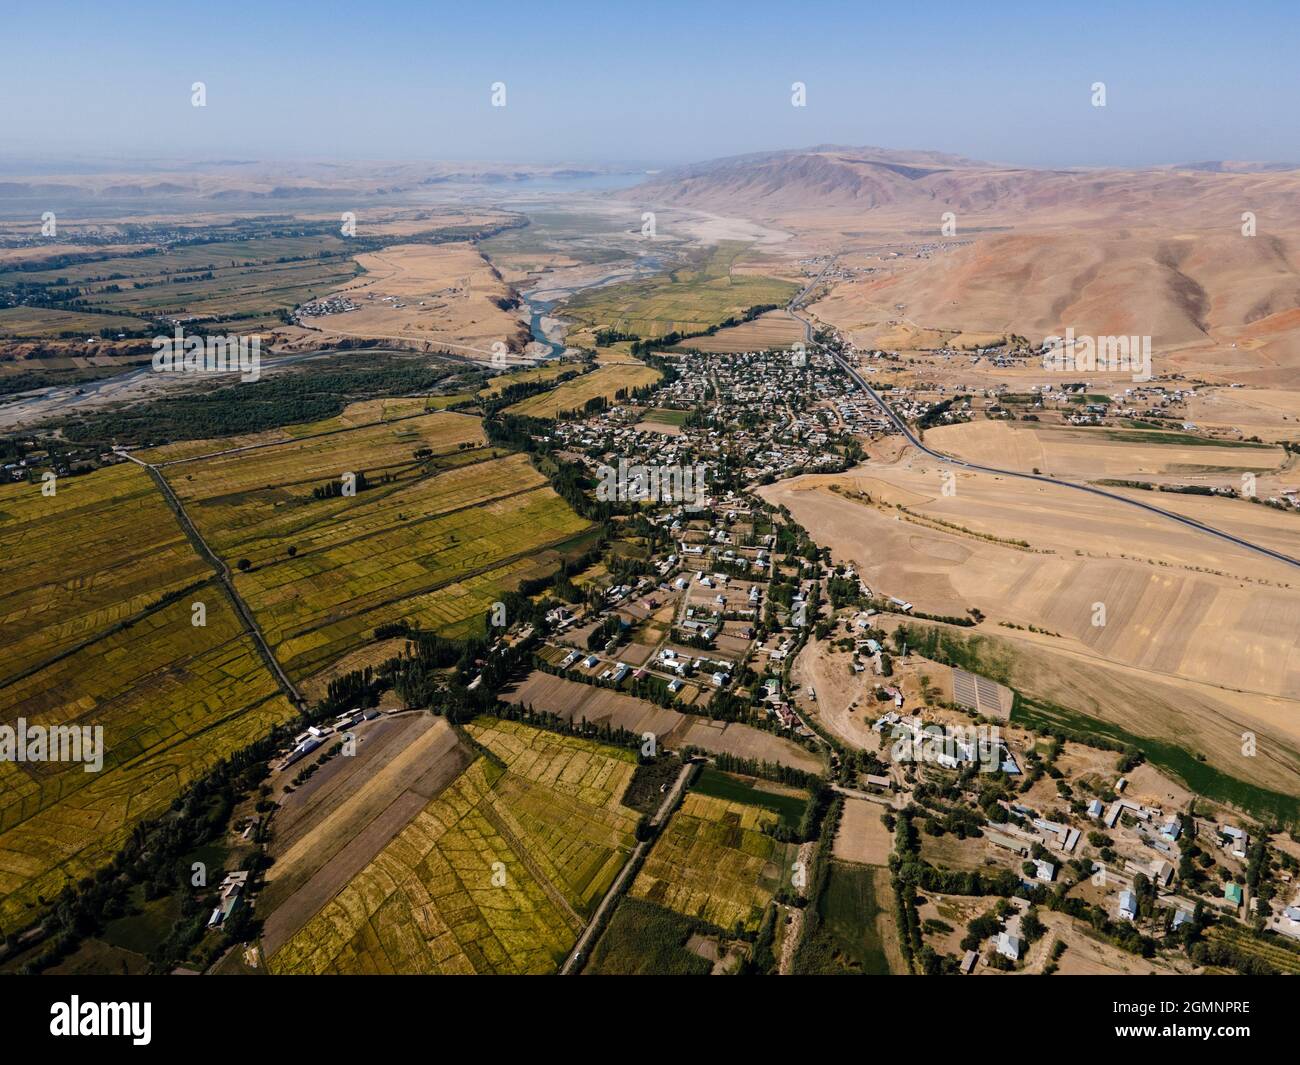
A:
x: 1190, y: 523
x: 902, y: 426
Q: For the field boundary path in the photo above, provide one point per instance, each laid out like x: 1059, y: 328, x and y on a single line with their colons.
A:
x: 223, y: 574
x: 621, y: 882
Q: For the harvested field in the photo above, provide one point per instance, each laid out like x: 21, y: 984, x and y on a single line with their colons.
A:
x: 330, y: 828
x: 773, y: 330
x: 599, y: 706
x: 862, y: 835
x: 1088, y: 454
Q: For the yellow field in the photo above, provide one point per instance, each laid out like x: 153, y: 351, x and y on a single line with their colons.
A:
x: 363, y: 412
x: 432, y: 541
x: 413, y: 545
x: 547, y: 372
x: 605, y: 381
x: 309, y: 606
x: 775, y: 329
x: 304, y: 464
x: 172, y: 700
x: 99, y: 551
x: 715, y: 862
x: 495, y: 875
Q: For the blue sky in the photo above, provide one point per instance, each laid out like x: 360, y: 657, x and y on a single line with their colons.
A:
x: 649, y: 84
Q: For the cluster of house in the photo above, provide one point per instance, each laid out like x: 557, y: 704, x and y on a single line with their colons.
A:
x: 768, y: 413
x: 321, y: 308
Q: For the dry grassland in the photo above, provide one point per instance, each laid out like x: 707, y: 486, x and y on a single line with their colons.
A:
x: 449, y: 297
x: 1198, y: 643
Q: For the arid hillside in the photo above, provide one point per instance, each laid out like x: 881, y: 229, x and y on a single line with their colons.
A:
x: 1201, y: 258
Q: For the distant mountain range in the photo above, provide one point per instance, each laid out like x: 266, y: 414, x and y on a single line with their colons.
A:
x: 1200, y: 257
x: 901, y: 184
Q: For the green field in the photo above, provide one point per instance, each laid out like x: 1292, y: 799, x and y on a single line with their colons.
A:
x: 1139, y: 436
x: 1277, y: 953
x: 690, y: 299
x: 790, y: 808
x: 847, y: 939
x: 666, y: 417
x: 643, y: 939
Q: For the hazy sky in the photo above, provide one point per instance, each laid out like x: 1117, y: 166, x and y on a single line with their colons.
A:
x: 649, y: 83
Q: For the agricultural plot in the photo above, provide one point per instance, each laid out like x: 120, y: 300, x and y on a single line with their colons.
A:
x: 319, y: 604
x: 102, y: 549
x: 771, y: 331
x: 787, y: 803
x: 225, y: 278
x: 1274, y: 954
x: 330, y: 827
x: 1096, y: 454
x: 716, y: 863
x: 495, y: 875
x: 41, y: 323
x: 363, y: 413
x: 432, y: 546
x: 547, y: 372
x: 573, y: 701
x: 687, y: 300
x: 853, y: 914
x: 172, y: 699
x: 646, y: 940
x: 605, y: 382
x: 299, y: 466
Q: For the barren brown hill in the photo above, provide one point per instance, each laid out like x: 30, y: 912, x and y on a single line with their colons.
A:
x: 1158, y: 252
x: 885, y: 189
x: 1213, y: 303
